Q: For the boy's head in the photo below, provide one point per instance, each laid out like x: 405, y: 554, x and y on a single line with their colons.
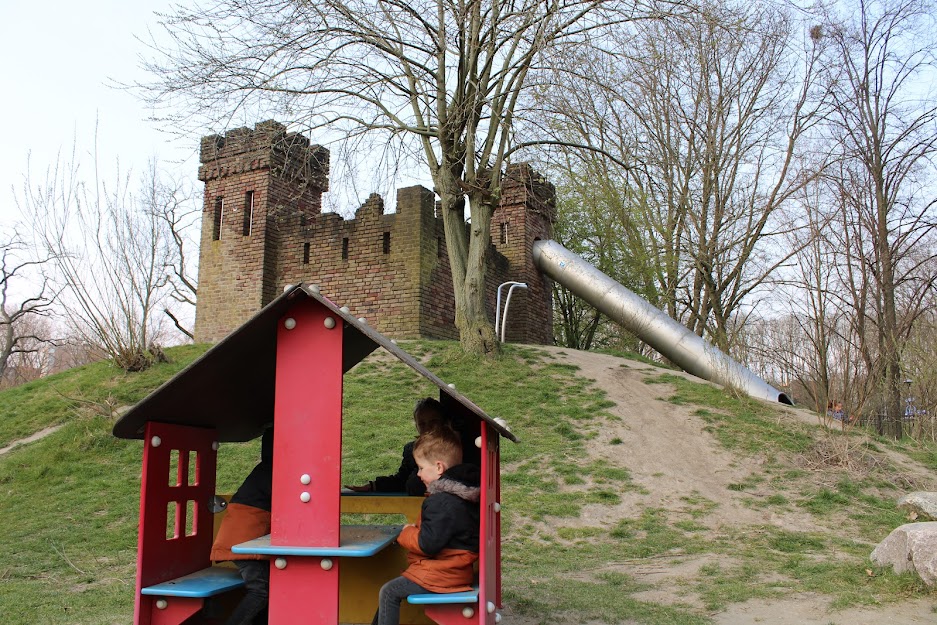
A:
x: 428, y: 415
x: 435, y: 452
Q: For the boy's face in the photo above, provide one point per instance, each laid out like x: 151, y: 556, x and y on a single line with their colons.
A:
x: 429, y: 471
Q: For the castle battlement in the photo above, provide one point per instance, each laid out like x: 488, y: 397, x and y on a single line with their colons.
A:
x: 262, y: 229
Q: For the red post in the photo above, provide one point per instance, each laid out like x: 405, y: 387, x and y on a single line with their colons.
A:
x: 307, y: 460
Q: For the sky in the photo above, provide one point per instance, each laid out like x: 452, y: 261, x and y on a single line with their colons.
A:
x: 58, y: 58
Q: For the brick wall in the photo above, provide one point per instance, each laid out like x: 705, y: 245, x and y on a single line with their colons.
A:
x: 392, y: 269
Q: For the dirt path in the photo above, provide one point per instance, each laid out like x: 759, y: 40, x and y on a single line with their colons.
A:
x: 29, y: 439
x: 668, y: 452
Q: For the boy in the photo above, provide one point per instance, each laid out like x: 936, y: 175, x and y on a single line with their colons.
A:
x: 443, y: 545
x: 248, y: 517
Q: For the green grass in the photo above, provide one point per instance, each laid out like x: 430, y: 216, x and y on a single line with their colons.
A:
x: 69, y: 502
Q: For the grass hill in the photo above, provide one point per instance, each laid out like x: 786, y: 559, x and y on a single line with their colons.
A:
x: 636, y: 495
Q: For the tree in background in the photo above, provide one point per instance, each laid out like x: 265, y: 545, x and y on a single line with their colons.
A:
x: 179, y: 215
x: 884, y: 131
x: 23, y: 333
x: 108, y: 255
x: 438, y: 82
x: 707, y: 117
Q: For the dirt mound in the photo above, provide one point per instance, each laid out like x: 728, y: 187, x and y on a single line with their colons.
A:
x: 672, y: 456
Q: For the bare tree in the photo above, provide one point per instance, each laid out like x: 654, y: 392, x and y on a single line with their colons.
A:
x: 713, y: 114
x: 107, y: 255
x: 21, y: 334
x: 441, y: 81
x: 179, y: 215
x: 885, y: 127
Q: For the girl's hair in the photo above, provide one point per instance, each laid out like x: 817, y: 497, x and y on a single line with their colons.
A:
x: 428, y: 414
x: 440, y: 444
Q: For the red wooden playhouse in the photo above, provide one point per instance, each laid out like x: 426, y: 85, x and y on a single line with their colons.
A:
x: 287, y: 362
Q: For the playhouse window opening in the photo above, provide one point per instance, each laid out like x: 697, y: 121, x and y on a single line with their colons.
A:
x: 248, y: 213
x: 190, y: 526
x: 172, y: 512
x: 218, y: 219
x: 504, y: 233
x: 345, y: 248
x: 305, y: 253
x: 174, y: 468
x: 387, y: 243
x: 192, y: 464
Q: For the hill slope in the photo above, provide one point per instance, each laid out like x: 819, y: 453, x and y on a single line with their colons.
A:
x: 636, y: 495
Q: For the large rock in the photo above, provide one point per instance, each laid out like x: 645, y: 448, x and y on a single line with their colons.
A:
x: 921, y: 505
x: 911, y: 547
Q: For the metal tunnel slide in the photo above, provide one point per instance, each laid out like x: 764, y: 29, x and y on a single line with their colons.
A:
x: 654, y: 327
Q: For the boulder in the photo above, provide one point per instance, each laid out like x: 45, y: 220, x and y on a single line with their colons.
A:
x: 911, y: 547
x: 920, y: 506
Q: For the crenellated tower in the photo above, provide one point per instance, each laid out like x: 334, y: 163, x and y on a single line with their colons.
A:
x: 263, y: 228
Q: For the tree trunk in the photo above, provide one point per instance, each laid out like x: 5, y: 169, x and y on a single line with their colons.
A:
x: 476, y: 333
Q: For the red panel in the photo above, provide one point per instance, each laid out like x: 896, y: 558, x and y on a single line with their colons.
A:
x: 450, y: 614
x: 177, y: 610
x: 304, y: 593
x: 160, y: 559
x: 308, y: 435
x: 489, y: 557
x: 307, y: 441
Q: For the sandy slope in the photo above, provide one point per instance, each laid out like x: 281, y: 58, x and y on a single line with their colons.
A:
x: 667, y: 451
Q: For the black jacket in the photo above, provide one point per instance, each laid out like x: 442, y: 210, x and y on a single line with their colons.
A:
x: 449, y: 518
x: 256, y: 489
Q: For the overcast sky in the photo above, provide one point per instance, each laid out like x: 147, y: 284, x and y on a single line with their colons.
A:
x: 58, y: 58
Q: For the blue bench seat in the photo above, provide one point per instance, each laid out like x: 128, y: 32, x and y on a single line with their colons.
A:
x: 433, y: 598
x: 205, y: 583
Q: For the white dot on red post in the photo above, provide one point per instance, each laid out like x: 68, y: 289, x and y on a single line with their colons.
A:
x: 329, y: 323
x: 345, y: 309
x: 478, y: 442
x: 305, y: 497
x: 491, y: 607
x: 468, y: 612
x: 290, y: 323
x: 497, y: 507
x: 305, y: 478
x: 497, y: 617
x: 280, y: 563
x: 215, y: 446
x: 162, y: 604
x: 156, y: 441
x: 326, y: 564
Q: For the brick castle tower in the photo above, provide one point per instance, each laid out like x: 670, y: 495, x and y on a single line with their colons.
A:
x: 263, y: 228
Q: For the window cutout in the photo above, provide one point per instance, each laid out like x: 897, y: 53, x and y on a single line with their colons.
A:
x: 504, y: 233
x: 193, y: 469
x: 305, y: 253
x: 219, y: 218
x: 190, y: 524
x: 248, y: 213
x: 172, y: 509
x: 174, y: 467
x: 345, y: 248
x: 387, y: 243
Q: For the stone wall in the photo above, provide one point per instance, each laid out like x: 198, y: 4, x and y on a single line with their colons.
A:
x: 263, y: 229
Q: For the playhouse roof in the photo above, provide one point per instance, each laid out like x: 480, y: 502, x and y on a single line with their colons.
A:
x: 231, y: 386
